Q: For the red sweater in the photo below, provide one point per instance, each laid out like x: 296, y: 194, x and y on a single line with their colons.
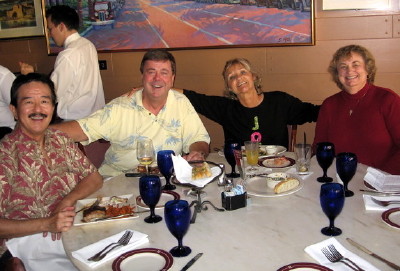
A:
x: 366, y: 123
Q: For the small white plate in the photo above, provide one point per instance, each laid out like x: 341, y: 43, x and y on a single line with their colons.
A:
x: 145, y: 259
x: 276, y: 162
x: 257, y: 186
x: 392, y: 217
x: 166, y: 195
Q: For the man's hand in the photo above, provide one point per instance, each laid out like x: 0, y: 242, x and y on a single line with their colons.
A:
x: 60, y: 221
x: 194, y: 156
x: 130, y: 93
x: 25, y: 68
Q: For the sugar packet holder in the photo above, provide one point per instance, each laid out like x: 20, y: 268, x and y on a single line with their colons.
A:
x: 234, y: 199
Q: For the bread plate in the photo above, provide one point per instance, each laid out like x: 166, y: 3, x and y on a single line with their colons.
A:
x: 257, y: 186
x: 263, y: 151
x: 87, y: 202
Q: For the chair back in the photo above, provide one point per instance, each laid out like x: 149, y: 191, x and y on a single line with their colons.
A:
x: 292, y: 130
x: 95, y: 151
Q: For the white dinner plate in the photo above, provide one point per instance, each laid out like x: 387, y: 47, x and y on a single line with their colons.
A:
x: 257, y: 186
x: 263, y: 151
x: 166, y: 195
x: 304, y: 267
x: 276, y: 162
x: 392, y: 217
x: 145, y: 259
x: 87, y: 202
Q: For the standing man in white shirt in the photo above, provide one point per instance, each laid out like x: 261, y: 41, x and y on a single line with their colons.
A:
x: 76, y: 73
x: 7, y: 121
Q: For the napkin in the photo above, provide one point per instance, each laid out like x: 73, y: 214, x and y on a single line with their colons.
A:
x: 40, y: 253
x: 83, y: 254
x: 382, y: 181
x: 372, y: 206
x: 315, y: 252
x: 183, y: 172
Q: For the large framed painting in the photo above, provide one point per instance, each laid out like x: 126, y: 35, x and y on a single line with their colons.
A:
x: 126, y: 25
x: 21, y: 18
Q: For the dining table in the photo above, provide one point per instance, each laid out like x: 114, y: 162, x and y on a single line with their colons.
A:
x: 268, y: 233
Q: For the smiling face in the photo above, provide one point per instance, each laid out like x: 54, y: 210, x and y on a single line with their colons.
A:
x: 157, y: 78
x: 34, y: 109
x: 240, y: 80
x: 352, y: 72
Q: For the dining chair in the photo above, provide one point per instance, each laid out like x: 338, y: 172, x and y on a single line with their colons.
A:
x: 95, y: 151
x: 292, y: 130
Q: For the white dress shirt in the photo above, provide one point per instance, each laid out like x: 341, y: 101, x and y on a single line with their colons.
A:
x: 6, y: 80
x: 77, y: 79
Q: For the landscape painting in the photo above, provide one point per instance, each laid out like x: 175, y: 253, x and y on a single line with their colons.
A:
x: 125, y: 25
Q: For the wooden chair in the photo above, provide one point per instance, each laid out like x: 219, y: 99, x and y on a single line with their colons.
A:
x: 292, y: 130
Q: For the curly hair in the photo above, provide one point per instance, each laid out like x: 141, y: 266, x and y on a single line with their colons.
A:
x: 246, y: 64
x: 346, y: 52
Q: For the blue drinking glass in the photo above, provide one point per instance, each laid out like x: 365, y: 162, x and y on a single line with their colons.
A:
x: 332, y: 201
x: 229, y: 147
x: 150, y: 191
x: 166, y: 167
x: 177, y: 217
x: 325, y: 155
x: 346, y: 167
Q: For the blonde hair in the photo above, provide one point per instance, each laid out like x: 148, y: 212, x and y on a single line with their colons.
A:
x: 346, y: 52
x: 246, y: 64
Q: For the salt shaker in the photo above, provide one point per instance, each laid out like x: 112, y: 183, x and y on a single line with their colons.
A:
x: 222, y: 178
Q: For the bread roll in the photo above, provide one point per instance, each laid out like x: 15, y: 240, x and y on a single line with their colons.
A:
x: 288, y: 184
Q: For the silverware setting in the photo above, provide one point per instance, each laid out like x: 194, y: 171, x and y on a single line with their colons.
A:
x: 364, y: 249
x: 334, y: 256
x: 123, y: 241
x: 387, y: 193
x: 191, y: 262
x: 385, y: 203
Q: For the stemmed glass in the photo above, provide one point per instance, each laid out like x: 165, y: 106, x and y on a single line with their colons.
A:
x: 229, y: 147
x: 325, y: 155
x: 150, y: 191
x: 252, y: 152
x: 332, y: 201
x: 166, y: 167
x: 346, y: 167
x: 145, y: 152
x: 177, y: 216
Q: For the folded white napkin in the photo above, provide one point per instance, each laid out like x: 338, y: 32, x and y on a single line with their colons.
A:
x: 183, y: 172
x: 382, y: 181
x: 372, y: 206
x: 315, y: 252
x: 292, y: 170
x: 83, y: 254
x: 40, y: 253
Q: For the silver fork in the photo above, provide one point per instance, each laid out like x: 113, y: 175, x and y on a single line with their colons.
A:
x: 124, y: 240
x: 385, y: 202
x: 338, y: 255
x: 334, y: 259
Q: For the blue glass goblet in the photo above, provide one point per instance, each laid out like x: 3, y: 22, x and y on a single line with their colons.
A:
x: 332, y: 201
x: 177, y: 216
x: 346, y: 167
x: 166, y: 167
x: 325, y: 155
x: 150, y: 191
x: 229, y: 147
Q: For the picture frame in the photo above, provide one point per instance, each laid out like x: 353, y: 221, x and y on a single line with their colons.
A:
x: 21, y: 19
x: 132, y: 25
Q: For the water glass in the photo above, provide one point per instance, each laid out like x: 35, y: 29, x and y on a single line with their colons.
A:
x: 303, y: 158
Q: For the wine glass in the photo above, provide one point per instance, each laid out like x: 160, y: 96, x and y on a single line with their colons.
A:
x: 166, y: 167
x: 150, y: 191
x: 332, y: 201
x: 346, y: 166
x: 252, y: 152
x: 145, y: 152
x: 229, y: 147
x: 325, y: 155
x: 177, y: 216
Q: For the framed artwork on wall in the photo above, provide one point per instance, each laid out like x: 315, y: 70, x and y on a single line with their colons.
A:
x: 129, y: 25
x: 19, y: 19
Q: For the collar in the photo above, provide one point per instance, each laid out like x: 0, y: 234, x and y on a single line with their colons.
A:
x: 71, y: 38
x: 360, y: 94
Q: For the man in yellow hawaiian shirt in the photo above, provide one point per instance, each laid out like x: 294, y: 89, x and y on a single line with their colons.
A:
x: 42, y: 175
x: 156, y: 112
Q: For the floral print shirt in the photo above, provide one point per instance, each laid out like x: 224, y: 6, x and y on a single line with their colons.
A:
x: 124, y: 120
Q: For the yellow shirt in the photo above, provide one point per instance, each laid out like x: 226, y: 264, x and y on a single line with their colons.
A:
x: 124, y: 120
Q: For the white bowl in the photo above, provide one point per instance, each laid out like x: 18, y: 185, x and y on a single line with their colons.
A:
x: 275, y: 178
x: 271, y: 150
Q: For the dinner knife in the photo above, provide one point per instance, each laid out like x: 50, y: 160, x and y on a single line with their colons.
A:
x: 364, y: 249
x: 191, y: 262
x: 394, y: 193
